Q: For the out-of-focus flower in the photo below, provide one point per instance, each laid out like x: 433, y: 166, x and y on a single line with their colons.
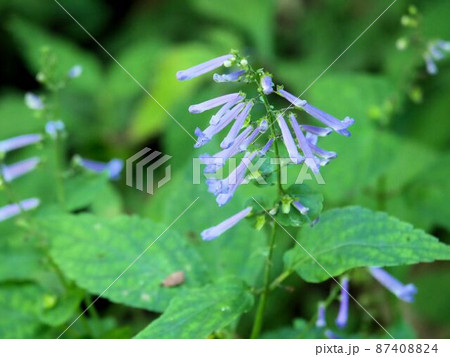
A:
x: 75, y: 71
x: 13, y: 171
x: 402, y: 291
x: 321, y: 318
x: 19, y: 142
x: 33, y: 101
x: 301, y: 208
x: 53, y: 128
x: 113, y: 167
x: 16, y: 208
x: 342, y: 318
x: 216, y: 231
x: 434, y: 53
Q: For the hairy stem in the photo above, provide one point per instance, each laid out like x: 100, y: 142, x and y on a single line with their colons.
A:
x: 257, y: 325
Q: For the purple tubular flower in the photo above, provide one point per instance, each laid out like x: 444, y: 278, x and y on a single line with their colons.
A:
x: 218, y: 160
x: 206, y: 135
x: 321, y: 320
x: 33, y: 101
x: 301, y: 208
x: 215, y: 119
x: 316, y: 130
x: 229, y: 185
x: 341, y: 320
x: 323, y: 153
x: 337, y: 125
x: 15, y: 208
x: 267, y: 84
x: 19, y: 142
x: 266, y: 147
x: 230, y: 77
x: 303, y: 144
x: 114, y: 167
x: 431, y: 65
x: 402, y: 291
x: 289, y: 141
x: 250, y: 139
x: 263, y: 126
x: 214, y: 232
x: 444, y: 45
x: 212, y: 103
x: 299, y: 103
x: 11, y: 172
x: 202, y: 68
x: 240, y: 119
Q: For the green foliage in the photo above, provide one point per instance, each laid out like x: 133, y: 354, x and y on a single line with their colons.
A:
x: 105, y: 248
x: 202, y: 311
x: 355, y: 237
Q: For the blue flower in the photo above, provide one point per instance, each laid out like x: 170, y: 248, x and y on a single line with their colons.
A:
x: 75, y: 71
x: 267, y: 84
x: 330, y: 334
x: 212, y: 103
x: 337, y: 125
x: 33, y: 101
x: 301, y: 208
x: 266, y: 147
x: 206, y: 135
x: 316, y: 130
x: 19, y: 142
x: 304, y: 145
x: 250, y: 139
x: 52, y: 128
x: 342, y: 318
x: 13, y: 171
x: 434, y: 53
x: 289, y: 141
x: 218, y: 160
x: 202, y: 68
x: 216, y: 231
x: 430, y: 64
x: 230, y: 77
x: 237, y: 126
x: 113, y: 167
x: 402, y: 291
x: 16, y: 208
x: 321, y: 319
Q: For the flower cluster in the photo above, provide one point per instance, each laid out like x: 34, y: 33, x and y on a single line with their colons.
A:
x: 235, y: 112
x: 402, y: 291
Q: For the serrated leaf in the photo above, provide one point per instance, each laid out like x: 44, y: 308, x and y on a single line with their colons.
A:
x: 94, y: 251
x: 200, y: 312
x: 356, y: 237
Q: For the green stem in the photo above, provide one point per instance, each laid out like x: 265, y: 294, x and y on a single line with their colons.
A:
x: 257, y: 325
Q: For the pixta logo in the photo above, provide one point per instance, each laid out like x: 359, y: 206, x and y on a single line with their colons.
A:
x: 141, y: 168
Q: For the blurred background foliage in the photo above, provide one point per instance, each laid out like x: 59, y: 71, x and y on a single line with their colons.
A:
x: 397, y: 160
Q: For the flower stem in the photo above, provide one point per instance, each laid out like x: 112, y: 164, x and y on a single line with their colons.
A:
x: 257, y: 325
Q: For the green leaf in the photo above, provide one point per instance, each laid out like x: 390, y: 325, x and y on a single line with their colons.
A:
x: 19, y: 308
x: 200, y: 312
x: 256, y: 18
x: 356, y: 237
x: 239, y: 251
x: 94, y: 251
